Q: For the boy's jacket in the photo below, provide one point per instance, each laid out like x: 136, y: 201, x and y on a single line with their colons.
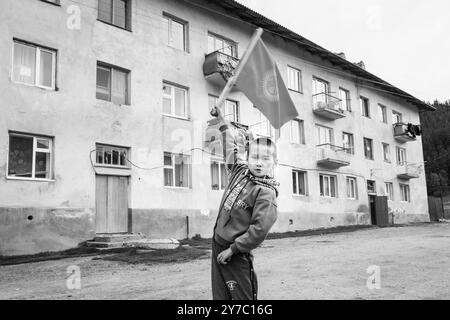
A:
x: 248, y: 208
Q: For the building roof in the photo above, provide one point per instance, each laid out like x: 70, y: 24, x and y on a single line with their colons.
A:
x: 246, y: 14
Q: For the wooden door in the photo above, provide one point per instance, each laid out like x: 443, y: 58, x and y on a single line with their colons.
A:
x: 111, y: 200
x: 382, y: 211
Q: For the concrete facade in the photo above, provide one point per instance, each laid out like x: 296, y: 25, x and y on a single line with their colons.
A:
x: 38, y: 216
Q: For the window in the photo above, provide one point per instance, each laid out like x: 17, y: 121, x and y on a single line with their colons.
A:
x: 348, y: 142
x: 177, y: 170
x: 368, y: 148
x: 297, y: 131
x: 396, y: 117
x: 299, y: 182
x: 174, y: 100
x: 112, y: 84
x: 324, y: 135
x: 389, y: 191
x: 30, y: 157
x: 344, y: 95
x: 115, y: 12
x: 230, y: 108
x: 263, y: 127
x: 320, y: 91
x: 401, y: 156
x: 404, y: 191
x: 175, y: 32
x: 294, y: 79
x: 218, y: 43
x: 382, y: 113
x: 111, y: 156
x: 365, y: 108
x: 386, y: 153
x: 219, y: 176
x: 328, y: 186
x: 34, y: 65
x: 352, y: 190
x: 371, y: 186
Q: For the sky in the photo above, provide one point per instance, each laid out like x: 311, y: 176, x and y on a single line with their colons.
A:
x: 404, y: 42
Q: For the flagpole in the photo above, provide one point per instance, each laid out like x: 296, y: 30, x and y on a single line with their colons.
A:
x: 232, y: 80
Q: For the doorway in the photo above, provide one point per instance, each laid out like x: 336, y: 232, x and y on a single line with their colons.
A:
x: 111, y: 204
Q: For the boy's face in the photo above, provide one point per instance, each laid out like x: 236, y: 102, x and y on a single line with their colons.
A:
x: 260, y: 160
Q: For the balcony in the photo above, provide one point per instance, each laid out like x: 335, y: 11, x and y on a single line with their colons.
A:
x: 219, y: 67
x: 327, y: 106
x: 404, y: 132
x: 332, y: 157
x: 409, y: 171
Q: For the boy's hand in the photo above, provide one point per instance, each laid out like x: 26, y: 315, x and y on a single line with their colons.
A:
x: 217, y: 112
x: 224, y: 256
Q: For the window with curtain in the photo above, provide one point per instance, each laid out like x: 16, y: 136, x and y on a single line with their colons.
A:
x: 175, y: 31
x: 401, y: 156
x: 344, y: 95
x: 348, y: 142
x: 382, y: 113
x: 386, y: 152
x: 221, y: 44
x: 294, y: 79
x: 177, y: 170
x: 297, y: 131
x: 324, y: 135
x: 352, y: 191
x: 368, y: 148
x: 112, y: 84
x: 34, y: 65
x: 299, y: 182
x: 328, y: 187
x: 230, y: 108
x: 115, y: 12
x: 405, y: 193
x: 219, y: 177
x: 389, y: 191
x: 365, y: 108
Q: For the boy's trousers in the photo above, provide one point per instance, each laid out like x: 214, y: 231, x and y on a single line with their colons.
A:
x: 235, y: 280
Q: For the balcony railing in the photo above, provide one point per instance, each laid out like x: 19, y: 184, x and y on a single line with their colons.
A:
x: 219, y: 67
x: 405, y: 132
x: 332, y: 156
x: 327, y: 106
x: 409, y: 171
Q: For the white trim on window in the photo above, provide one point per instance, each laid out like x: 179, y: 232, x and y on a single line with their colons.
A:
x: 172, y: 98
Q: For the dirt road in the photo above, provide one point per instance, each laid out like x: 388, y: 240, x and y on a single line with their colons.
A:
x: 414, y: 263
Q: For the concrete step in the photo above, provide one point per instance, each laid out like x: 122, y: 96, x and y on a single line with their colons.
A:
x: 118, y: 237
x: 100, y: 245
x: 142, y: 243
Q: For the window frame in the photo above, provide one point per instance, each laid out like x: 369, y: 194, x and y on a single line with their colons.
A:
x: 295, y: 173
x: 328, y: 177
x: 37, y: 61
x: 172, y: 167
x: 348, y: 106
x: 405, y: 187
x: 388, y: 158
x: 383, y: 109
x: 363, y: 113
x: 397, y: 115
x: 352, y: 149
x: 330, y: 130
x: 35, y: 150
x: 299, y: 77
x: 128, y: 15
x: 389, y: 190
x: 186, y: 115
x: 111, y: 69
x: 355, y: 187
x: 171, y: 18
x: 371, y: 149
x: 236, y: 107
x: 374, y: 187
x: 231, y: 43
x: 301, y: 132
x: 113, y: 148
x: 399, y: 152
x: 221, y: 166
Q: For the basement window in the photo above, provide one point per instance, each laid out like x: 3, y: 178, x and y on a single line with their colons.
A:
x: 111, y: 156
x: 34, y: 65
x: 30, y: 157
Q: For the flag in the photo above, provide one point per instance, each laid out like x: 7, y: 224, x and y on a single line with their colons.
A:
x: 261, y: 81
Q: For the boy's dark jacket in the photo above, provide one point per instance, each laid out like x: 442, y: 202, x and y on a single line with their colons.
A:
x: 248, y: 208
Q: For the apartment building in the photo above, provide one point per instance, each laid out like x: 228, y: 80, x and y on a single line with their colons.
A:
x: 105, y: 104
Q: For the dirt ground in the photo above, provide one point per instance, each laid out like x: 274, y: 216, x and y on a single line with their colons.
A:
x: 414, y: 263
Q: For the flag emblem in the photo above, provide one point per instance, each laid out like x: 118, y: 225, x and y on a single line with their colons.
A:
x: 269, y: 86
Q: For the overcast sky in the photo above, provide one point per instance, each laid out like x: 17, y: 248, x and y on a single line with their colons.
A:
x: 404, y: 42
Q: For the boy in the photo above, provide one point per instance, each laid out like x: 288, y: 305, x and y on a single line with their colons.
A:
x: 247, y: 212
